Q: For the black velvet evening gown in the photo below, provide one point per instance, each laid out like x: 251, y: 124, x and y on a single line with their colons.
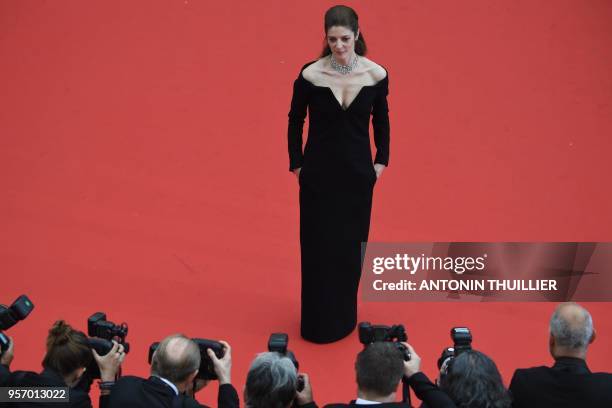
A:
x: 336, y: 185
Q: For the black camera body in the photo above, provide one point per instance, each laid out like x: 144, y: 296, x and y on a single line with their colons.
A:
x: 370, y: 333
x: 101, y: 332
x: 207, y: 368
x: 9, y: 316
x: 98, y: 326
x: 462, y: 341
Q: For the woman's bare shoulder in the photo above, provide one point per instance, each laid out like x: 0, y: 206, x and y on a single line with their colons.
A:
x: 313, y: 71
x: 377, y: 72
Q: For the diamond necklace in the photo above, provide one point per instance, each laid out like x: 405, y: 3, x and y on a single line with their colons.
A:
x: 343, y: 69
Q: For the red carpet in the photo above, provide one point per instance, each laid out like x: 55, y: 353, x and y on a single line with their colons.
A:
x: 143, y: 165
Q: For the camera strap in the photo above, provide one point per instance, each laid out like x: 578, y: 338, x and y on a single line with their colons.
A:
x: 406, y: 392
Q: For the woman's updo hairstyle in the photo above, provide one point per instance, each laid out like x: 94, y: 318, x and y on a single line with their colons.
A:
x: 344, y: 16
x: 67, y: 349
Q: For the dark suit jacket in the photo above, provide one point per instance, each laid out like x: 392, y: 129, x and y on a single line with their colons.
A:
x: 569, y: 383
x: 135, y: 392
x: 79, y: 397
x: 428, y: 392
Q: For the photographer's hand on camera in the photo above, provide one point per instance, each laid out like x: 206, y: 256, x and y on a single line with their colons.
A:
x: 304, y: 397
x: 110, y: 363
x: 223, y: 366
x: 7, y: 356
x: 413, y: 365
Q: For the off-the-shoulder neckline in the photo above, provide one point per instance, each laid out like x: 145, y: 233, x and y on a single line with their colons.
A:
x: 324, y: 86
x: 333, y: 95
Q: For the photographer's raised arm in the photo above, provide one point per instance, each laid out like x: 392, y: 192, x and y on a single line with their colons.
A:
x: 228, y: 397
x: 110, y: 363
x: 424, y: 389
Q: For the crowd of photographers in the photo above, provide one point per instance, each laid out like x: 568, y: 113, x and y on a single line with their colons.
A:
x: 181, y: 366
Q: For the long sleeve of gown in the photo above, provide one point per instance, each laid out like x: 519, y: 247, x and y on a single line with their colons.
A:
x: 380, y: 123
x: 297, y: 114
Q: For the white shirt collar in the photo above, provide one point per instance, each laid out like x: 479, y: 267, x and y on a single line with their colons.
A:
x: 360, y: 401
x: 170, y: 384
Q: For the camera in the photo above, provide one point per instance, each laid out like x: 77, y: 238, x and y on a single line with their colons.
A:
x: 279, y: 342
x: 207, y: 368
x: 98, y: 326
x: 462, y: 341
x: 370, y: 333
x: 101, y: 332
x: 9, y: 316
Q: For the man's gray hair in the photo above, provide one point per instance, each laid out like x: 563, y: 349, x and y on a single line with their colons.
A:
x: 176, y: 357
x: 572, y: 330
x: 271, y: 381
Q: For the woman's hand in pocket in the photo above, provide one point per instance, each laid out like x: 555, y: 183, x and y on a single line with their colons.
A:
x: 379, y: 168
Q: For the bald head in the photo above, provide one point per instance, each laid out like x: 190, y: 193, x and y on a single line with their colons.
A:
x: 176, y: 358
x: 571, y: 326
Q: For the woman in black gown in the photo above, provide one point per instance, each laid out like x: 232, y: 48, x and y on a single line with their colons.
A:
x: 335, y: 172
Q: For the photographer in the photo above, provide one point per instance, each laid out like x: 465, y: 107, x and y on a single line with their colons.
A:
x: 68, y: 354
x: 472, y: 380
x: 379, y: 369
x: 273, y: 382
x: 569, y: 382
x: 173, y: 382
